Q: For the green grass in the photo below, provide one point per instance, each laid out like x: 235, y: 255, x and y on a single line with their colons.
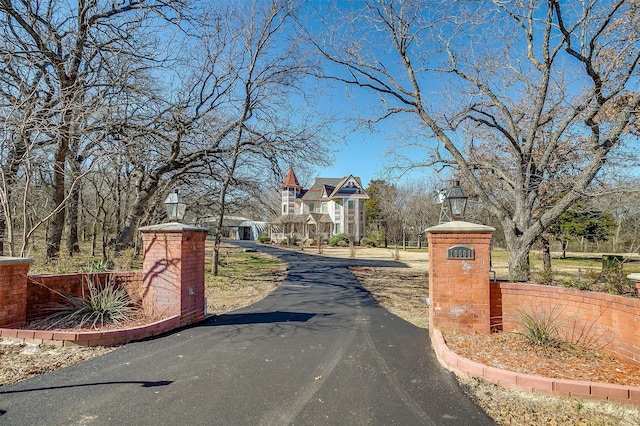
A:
x: 238, y: 269
x: 238, y: 264
x: 568, y: 268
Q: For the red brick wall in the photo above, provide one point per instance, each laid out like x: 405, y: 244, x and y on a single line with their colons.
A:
x: 495, y: 295
x: 173, y: 273
x: 601, y: 319
x: 192, y: 297
x: 13, y: 291
x: 458, y: 288
x: 162, y: 272
x: 45, y: 290
x: 171, y: 283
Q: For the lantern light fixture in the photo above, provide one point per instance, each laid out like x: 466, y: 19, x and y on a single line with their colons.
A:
x: 175, y: 205
x: 457, y: 200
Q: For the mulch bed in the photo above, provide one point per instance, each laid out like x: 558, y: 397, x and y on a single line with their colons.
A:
x: 509, y: 351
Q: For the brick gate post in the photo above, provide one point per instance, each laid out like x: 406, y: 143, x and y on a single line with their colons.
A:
x: 173, y: 271
x: 13, y: 290
x: 459, y: 276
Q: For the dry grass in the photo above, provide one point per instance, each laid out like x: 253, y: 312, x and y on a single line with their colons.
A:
x: 244, y: 278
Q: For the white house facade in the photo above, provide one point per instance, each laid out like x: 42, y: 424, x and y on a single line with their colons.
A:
x: 331, y: 206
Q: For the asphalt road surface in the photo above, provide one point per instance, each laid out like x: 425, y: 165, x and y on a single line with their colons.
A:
x: 318, y: 351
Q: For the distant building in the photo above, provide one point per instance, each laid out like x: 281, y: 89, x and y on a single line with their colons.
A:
x: 237, y: 228
x: 331, y: 206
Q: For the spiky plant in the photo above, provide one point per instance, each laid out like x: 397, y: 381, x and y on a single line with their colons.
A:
x: 101, y: 303
x: 542, y: 329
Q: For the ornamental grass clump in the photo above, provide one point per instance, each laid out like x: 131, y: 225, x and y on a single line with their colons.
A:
x: 542, y: 329
x: 101, y: 303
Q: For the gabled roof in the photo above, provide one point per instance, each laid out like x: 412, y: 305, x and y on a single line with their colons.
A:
x: 320, y: 187
x: 348, y: 186
x: 290, y: 180
x: 315, y: 218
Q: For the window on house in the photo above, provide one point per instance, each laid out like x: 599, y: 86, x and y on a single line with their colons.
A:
x: 351, y: 204
x: 284, y: 209
x: 324, y: 207
x: 312, y: 207
x: 338, y: 204
x: 337, y: 228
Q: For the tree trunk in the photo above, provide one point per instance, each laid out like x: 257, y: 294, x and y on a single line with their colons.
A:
x: 222, y: 199
x: 56, y: 229
x: 546, y: 255
x: 519, y: 264
x: 74, y: 205
x: 57, y: 223
x: 3, y: 227
x: 16, y: 153
x: 137, y: 210
x: 94, y: 237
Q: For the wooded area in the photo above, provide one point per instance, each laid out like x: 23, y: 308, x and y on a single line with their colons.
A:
x: 106, y: 107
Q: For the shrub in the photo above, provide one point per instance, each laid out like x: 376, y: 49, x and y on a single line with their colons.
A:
x: 125, y: 260
x: 336, y: 239
x: 367, y: 242
x: 102, y: 303
x: 377, y: 237
x: 616, y: 279
x: 577, y: 284
x: 264, y: 238
x: 542, y: 276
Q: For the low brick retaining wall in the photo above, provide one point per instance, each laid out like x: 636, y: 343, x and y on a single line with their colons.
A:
x: 91, y: 337
x: 171, y: 285
x: 606, y: 320
x: 42, y: 291
x: 530, y: 383
x: 45, y: 290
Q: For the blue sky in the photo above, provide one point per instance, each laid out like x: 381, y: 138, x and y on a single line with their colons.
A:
x: 362, y: 156
x: 362, y: 152
x: 358, y: 150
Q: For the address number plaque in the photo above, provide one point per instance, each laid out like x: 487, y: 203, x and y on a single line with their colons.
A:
x: 460, y: 252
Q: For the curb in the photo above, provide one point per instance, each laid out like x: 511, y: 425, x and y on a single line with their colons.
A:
x: 531, y: 383
x: 91, y: 338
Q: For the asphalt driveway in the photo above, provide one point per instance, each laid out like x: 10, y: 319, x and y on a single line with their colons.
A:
x: 318, y: 351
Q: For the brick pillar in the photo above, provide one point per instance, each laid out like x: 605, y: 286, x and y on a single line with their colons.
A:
x: 173, y: 271
x: 459, y: 276
x: 13, y: 290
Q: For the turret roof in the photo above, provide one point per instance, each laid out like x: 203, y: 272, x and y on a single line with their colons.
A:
x: 290, y: 180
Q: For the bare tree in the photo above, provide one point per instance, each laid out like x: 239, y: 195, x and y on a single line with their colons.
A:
x: 67, y: 45
x: 542, y: 95
x: 421, y: 211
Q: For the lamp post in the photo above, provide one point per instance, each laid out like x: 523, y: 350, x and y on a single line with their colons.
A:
x: 175, y: 205
x: 457, y: 201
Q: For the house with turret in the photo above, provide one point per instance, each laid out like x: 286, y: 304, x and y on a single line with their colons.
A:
x: 331, y: 206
